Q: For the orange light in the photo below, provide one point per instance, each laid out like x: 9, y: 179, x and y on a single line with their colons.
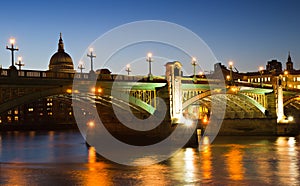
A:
x: 93, y: 89
x: 286, y: 72
x: 228, y: 77
x: 69, y: 91
x: 91, y: 124
x: 261, y: 68
x: 99, y: 90
x: 205, y: 120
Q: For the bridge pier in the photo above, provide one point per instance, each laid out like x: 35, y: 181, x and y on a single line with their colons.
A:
x: 173, y: 76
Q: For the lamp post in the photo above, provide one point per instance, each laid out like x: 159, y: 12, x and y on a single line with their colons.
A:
x: 261, y: 71
x: 230, y: 68
x: 80, y: 66
x: 128, y: 70
x: 286, y: 73
x: 19, y: 63
x: 90, y: 55
x: 194, y: 63
x: 149, y: 59
x: 12, y: 49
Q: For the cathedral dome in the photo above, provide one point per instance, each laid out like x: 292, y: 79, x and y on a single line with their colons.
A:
x: 61, y: 61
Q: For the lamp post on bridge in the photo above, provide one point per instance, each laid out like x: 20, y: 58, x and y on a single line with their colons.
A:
x: 261, y: 71
x: 19, y: 63
x: 128, y: 70
x: 194, y: 63
x: 12, y: 49
x: 230, y: 75
x: 80, y: 66
x: 90, y: 55
x: 149, y: 59
x: 286, y: 73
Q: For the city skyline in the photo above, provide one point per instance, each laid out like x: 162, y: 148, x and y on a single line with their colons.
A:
x: 248, y: 33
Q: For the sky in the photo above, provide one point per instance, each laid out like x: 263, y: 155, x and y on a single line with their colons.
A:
x: 247, y: 32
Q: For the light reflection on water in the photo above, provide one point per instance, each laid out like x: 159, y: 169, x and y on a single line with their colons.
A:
x: 47, y: 158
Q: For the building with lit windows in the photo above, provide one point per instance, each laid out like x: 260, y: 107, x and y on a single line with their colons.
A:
x: 47, y: 110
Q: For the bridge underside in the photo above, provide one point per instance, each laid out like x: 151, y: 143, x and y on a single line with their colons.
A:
x: 236, y: 107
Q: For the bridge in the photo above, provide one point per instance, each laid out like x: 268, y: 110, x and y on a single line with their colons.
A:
x: 185, y: 97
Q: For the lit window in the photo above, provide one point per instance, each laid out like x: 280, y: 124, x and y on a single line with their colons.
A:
x: 8, y: 118
x: 16, y: 118
x: 269, y: 78
x: 70, y: 113
x: 30, y: 109
x: 298, y: 78
x: 41, y: 114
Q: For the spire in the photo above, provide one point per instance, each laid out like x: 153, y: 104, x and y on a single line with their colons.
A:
x: 60, y: 44
x: 289, y: 57
x: 289, y: 63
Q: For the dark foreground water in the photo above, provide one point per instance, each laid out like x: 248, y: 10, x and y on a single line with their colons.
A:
x: 61, y: 158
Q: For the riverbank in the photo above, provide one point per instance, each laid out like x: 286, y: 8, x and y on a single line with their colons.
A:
x: 37, y: 127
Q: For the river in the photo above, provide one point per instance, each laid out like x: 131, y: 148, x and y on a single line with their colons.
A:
x: 62, y: 158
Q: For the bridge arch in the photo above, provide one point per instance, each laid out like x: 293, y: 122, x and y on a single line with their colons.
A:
x: 238, y: 100
x: 121, y: 99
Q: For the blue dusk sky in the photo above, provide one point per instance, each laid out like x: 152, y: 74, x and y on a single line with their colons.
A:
x: 247, y: 32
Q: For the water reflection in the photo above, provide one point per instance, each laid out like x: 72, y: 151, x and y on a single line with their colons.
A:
x: 234, y: 162
x: 61, y: 158
x: 206, y: 162
x: 97, y: 173
x: 287, y: 156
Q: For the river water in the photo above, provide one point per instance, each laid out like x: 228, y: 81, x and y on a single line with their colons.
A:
x: 62, y: 158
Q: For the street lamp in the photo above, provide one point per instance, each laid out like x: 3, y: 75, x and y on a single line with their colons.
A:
x: 80, y: 66
x: 12, y: 49
x: 194, y: 63
x: 261, y: 71
x: 230, y: 68
x: 128, y: 70
x: 19, y: 63
x: 286, y: 73
x: 149, y: 59
x: 90, y: 55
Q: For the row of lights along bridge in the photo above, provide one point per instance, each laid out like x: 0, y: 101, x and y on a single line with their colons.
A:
x: 91, y: 55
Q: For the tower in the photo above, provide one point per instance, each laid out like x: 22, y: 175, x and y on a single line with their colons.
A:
x: 289, y: 63
x: 173, y: 76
